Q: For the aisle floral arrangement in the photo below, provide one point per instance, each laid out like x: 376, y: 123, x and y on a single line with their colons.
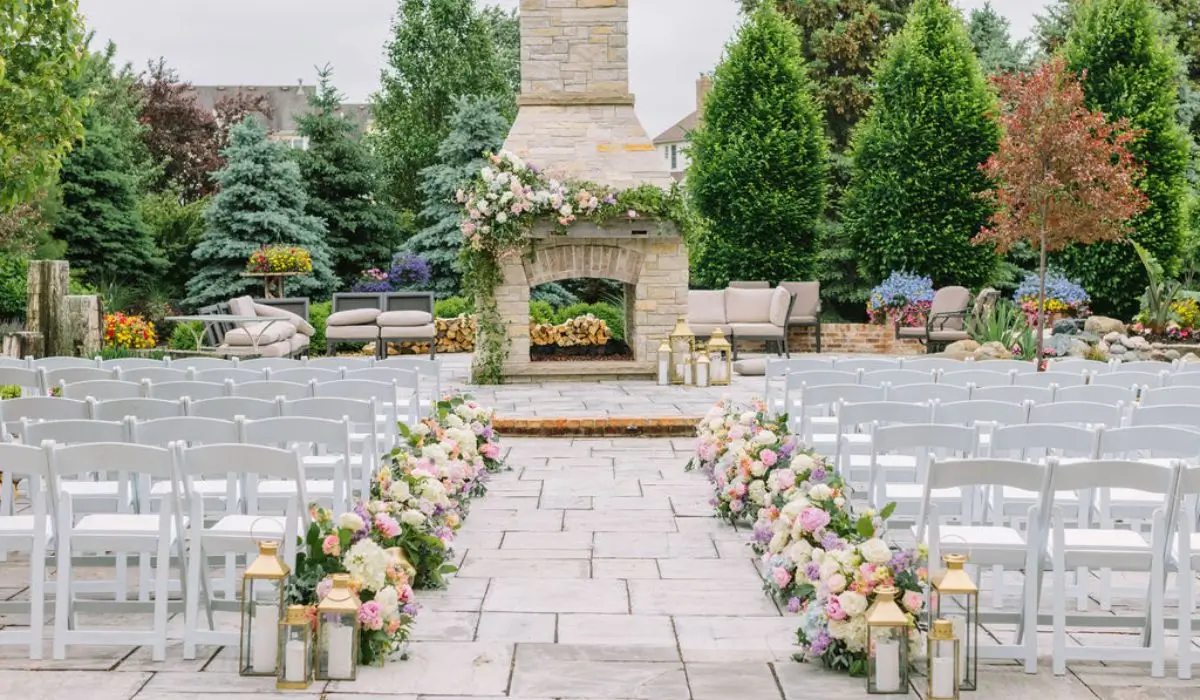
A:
x: 399, y: 537
x: 819, y: 558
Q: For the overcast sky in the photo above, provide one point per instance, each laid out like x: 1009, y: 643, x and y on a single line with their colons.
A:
x: 277, y: 42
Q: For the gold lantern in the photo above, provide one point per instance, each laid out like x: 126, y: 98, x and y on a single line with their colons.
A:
x: 956, y: 599
x: 337, y: 632
x: 720, y: 357
x: 263, y: 588
x: 295, y: 650
x: 887, y: 645
x: 683, y: 344
x: 942, y: 662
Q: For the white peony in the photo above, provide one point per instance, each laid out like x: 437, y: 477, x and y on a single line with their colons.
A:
x: 432, y: 489
x: 875, y: 551
x: 420, y: 429
x: 765, y: 437
x: 853, y: 602
x: 399, y: 491
x: 368, y: 562
x: 757, y: 468
x: 793, y: 508
x: 777, y: 542
x: 817, y: 555
x: 802, y: 462
x: 829, y: 567
x: 758, y: 492
x: 820, y: 492
x: 856, y: 634
x: 836, y: 583
x: 800, y: 552
x: 412, y: 517
x: 747, y: 417
x: 434, y: 453
x: 351, y: 521
x: 389, y: 602
x: 454, y: 421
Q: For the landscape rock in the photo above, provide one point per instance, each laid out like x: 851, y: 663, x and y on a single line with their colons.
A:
x: 1112, y: 337
x: 1189, y: 359
x: 1102, y: 325
x: 993, y: 351
x: 1067, y: 326
x: 961, y: 349
x: 1158, y: 356
x: 1136, y: 342
x: 1173, y: 355
x: 1117, y: 349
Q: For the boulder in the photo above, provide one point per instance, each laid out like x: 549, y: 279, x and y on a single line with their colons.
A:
x: 961, y: 349
x: 1158, y: 356
x: 993, y: 351
x: 1117, y: 349
x: 1112, y: 337
x: 1136, y: 342
x: 1189, y: 359
x: 1077, y: 348
x: 1067, y: 326
x: 1102, y: 325
x: 1173, y: 355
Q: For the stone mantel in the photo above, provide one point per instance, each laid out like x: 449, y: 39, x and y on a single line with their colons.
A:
x: 617, y: 228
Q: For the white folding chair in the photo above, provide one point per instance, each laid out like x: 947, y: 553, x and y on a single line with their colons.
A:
x: 238, y: 534
x: 32, y: 533
x: 304, y: 375
x: 199, y: 364
x: 1074, y: 364
x: 1187, y: 367
x: 196, y: 391
x: 1081, y: 413
x: 1171, y: 396
x: 102, y: 389
x: 271, y: 364
x: 898, y: 377
x: 158, y: 534
x: 816, y: 421
x: 778, y: 368
x: 989, y: 543
x: 140, y: 409
x: 986, y: 414
x: 1179, y: 416
x: 409, y: 407
x: 1183, y: 377
x: 229, y: 407
x: 855, y: 424
x: 1149, y: 366
x: 326, y: 481
x: 28, y: 380
x: 1013, y: 394
x: 922, y: 393
x: 1097, y: 393
x: 1052, y: 379
x: 1018, y: 366
x: 128, y: 363
x: 271, y: 389
x: 223, y: 374
x: 362, y: 415
x: 105, y: 488
x: 62, y: 362
x: 380, y: 393
x: 429, y: 371
x: 152, y: 374
x: 932, y: 364
x: 1110, y: 548
x: 794, y: 381
x: 13, y: 415
x: 339, y: 362
x: 1185, y: 552
x: 900, y: 456
x: 54, y: 378
x: 15, y: 362
x: 978, y: 378
x: 1124, y: 379
x: 865, y: 364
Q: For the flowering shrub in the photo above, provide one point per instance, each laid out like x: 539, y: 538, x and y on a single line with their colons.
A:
x: 279, y: 258
x: 902, y: 297
x: 1063, y: 296
x: 407, y: 271
x: 128, y: 332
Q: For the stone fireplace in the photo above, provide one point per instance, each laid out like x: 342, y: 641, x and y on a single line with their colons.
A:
x: 577, y: 120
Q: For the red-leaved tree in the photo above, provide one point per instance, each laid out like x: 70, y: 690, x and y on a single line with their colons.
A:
x: 1063, y: 173
x: 180, y: 134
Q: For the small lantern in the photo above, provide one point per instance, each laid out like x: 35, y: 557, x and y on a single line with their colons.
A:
x: 956, y: 599
x: 720, y: 355
x: 337, y: 632
x: 887, y: 645
x: 703, y: 368
x: 262, y: 609
x: 683, y: 344
x: 295, y: 650
x: 942, y: 661
x: 664, y: 363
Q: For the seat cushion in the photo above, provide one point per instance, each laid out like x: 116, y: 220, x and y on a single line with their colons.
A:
x: 706, y: 307
x: 912, y: 332
x: 263, y: 333
x: 757, y: 330
x: 298, y: 342
x: 781, y: 300
x: 301, y: 325
x: 281, y: 349
x: 404, y: 318
x: 426, y: 332
x: 802, y: 320
x: 751, y: 368
x: 704, y: 330
x: 949, y: 336
x: 242, y: 306
x: 748, y: 305
x: 370, y: 332
x: 352, y: 317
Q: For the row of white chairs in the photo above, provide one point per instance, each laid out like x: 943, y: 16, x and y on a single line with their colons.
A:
x: 780, y: 366
x: 177, y: 532
x: 199, y: 363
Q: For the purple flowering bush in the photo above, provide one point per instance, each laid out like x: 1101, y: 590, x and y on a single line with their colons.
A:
x: 901, y: 296
x: 408, y: 271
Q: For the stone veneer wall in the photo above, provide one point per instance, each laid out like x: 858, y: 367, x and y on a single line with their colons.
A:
x: 574, y: 46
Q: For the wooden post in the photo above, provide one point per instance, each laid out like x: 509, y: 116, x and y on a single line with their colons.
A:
x: 46, y: 312
x: 22, y: 344
x: 86, y: 322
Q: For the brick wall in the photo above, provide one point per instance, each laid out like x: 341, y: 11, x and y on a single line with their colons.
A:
x: 853, y: 338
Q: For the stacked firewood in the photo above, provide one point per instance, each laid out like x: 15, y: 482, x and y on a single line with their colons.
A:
x: 453, y: 335
x: 581, y: 330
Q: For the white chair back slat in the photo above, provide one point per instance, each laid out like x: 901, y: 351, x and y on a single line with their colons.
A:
x: 972, y: 412
x: 51, y: 364
x: 271, y: 389
x: 1148, y: 366
x: 1013, y: 394
x: 1097, y: 393
x: 865, y: 364
x: 40, y: 408
x: 1060, y: 379
x: 935, y: 364
x: 304, y: 375
x: 1184, y: 377
x: 1185, y: 416
x: 1150, y: 441
x: 27, y: 379
x: 313, y: 437
x: 139, y: 409
x: 1018, y: 366
x: 152, y: 374
x: 199, y: 364
x: 978, y: 378
x: 339, y: 363
x: 102, y: 389
x: 271, y: 364
x: 1171, y: 396
x: 70, y: 375
x: 194, y: 390
x: 254, y: 462
x: 1033, y: 441
x: 187, y: 430
x: 72, y: 432
x: 898, y: 377
x: 228, y: 407
x: 1128, y: 379
x: 234, y: 374
x: 1080, y: 413
x: 921, y: 393
x: 128, y: 363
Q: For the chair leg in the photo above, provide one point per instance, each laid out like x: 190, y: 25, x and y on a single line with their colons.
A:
x: 1060, y: 608
x: 1186, y: 591
x: 37, y: 597
x: 63, y: 603
x: 818, y: 338
x: 144, y: 577
x: 162, y: 594
x: 733, y: 344
x: 191, y: 597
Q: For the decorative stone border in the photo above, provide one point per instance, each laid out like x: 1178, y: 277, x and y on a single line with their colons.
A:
x: 674, y: 426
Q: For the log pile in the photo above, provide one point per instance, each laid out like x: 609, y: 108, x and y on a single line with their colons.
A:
x: 453, y: 335
x: 575, y: 332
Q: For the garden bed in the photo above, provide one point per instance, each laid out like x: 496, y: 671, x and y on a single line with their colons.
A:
x: 614, y: 350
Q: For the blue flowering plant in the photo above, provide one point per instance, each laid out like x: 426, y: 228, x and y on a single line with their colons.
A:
x: 902, y: 296
x: 1064, y: 297
x: 407, y: 271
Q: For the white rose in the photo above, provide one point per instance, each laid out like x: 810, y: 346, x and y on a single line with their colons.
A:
x: 777, y: 542
x: 802, y: 462
x: 389, y: 602
x: 399, y: 491
x: 848, y: 558
x: 856, y: 631
x: 432, y: 489
x: 836, y: 583
x: 800, y: 552
x: 829, y: 567
x: 747, y: 417
x: 757, y: 468
x: 412, y: 517
x: 820, y: 492
x: 455, y: 421
x: 350, y: 521
x: 758, y: 492
x: 792, y: 510
x: 875, y: 551
x: 853, y: 603
x: 765, y: 437
x: 421, y: 429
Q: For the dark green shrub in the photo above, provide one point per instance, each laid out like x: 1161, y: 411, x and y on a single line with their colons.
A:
x: 614, y: 317
x: 541, y: 312
x: 13, y: 271
x: 452, y: 307
x: 317, y: 315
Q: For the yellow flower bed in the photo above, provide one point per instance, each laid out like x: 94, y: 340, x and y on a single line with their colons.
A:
x: 279, y: 258
x: 129, y: 332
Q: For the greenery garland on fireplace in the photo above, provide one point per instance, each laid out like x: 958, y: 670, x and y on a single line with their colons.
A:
x: 500, y: 210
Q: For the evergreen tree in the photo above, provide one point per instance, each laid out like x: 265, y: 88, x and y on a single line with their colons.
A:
x: 990, y: 35
x: 340, y: 177
x: 1051, y: 28
x: 914, y: 199
x: 1130, y: 71
x: 476, y: 128
x: 442, y: 49
x: 261, y: 201
x: 759, y: 160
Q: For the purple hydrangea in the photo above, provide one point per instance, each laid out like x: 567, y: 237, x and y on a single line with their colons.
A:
x: 820, y: 644
x: 812, y: 570
x: 817, y: 476
x: 793, y: 605
x: 762, y: 534
x: 831, y: 542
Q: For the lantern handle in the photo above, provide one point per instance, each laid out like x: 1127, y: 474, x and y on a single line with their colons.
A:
x: 960, y: 538
x: 256, y: 521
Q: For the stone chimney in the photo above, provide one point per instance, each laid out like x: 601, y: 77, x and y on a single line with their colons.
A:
x: 704, y: 86
x: 576, y: 113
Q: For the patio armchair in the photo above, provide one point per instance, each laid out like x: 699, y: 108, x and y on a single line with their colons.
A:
x: 806, y: 306
x: 407, y: 317
x: 946, y: 323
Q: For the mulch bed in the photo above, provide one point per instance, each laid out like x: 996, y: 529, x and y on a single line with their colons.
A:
x: 613, y: 351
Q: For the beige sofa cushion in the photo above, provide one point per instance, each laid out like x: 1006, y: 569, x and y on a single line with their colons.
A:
x: 704, y: 330
x: 426, y: 332
x: 282, y: 348
x: 242, y: 306
x: 779, y: 306
x: 274, y: 312
x: 748, y: 305
x: 352, y: 317
x: 261, y: 333
x: 750, y: 368
x: 404, y: 318
x: 757, y: 330
x: 299, y: 342
x: 706, y: 307
x: 365, y: 332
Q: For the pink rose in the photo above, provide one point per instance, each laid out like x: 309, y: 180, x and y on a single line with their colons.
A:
x: 387, y: 525
x: 490, y: 450
x: 787, y: 479
x: 331, y: 546
x: 369, y: 616
x: 781, y: 576
x: 833, y: 609
x: 813, y: 519
x: 768, y: 457
x: 913, y: 602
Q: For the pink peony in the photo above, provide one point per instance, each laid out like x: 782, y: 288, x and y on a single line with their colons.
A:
x: 490, y: 450
x: 387, y: 525
x: 369, y: 616
x: 768, y: 457
x: 781, y: 576
x: 787, y: 479
x: 331, y: 546
x: 813, y: 519
x: 833, y: 609
x: 913, y: 602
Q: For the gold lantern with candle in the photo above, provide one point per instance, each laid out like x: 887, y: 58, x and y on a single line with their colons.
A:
x: 941, y: 661
x: 887, y: 645
x: 683, y: 344
x: 720, y: 357
x: 295, y: 650
x: 263, y: 588
x: 703, y: 367
x: 956, y: 599
x: 337, y: 632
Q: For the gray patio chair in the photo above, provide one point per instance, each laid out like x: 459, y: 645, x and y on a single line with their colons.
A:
x: 946, y: 323
x: 806, y: 307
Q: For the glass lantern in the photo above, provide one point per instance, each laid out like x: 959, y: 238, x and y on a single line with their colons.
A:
x: 703, y: 368
x: 941, y: 660
x: 887, y: 645
x: 956, y: 599
x: 683, y: 344
x: 720, y: 357
x: 263, y: 588
x: 337, y: 632
x: 295, y: 650
x: 664, y: 363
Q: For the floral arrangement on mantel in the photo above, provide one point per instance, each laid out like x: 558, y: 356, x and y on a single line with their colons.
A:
x: 502, y: 206
x: 902, y: 296
x: 819, y: 559
x: 278, y: 260
x: 399, y: 538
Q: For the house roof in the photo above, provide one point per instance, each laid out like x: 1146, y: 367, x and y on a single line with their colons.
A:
x: 287, y: 102
x: 680, y: 131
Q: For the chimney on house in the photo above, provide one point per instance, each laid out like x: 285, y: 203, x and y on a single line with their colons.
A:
x: 703, y: 86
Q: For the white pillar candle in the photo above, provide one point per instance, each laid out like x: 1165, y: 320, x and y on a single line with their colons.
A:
x: 702, y: 374
x: 687, y: 373
x: 664, y: 367
x: 887, y: 666
x: 718, y: 370
x: 293, y: 671
x: 943, y: 678
x: 960, y: 633
x: 264, y: 649
x: 341, y: 646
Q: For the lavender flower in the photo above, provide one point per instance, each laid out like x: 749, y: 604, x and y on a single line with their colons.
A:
x: 762, y: 534
x: 831, y: 542
x: 812, y: 570
x: 818, y: 475
x: 793, y: 605
x: 820, y: 644
x: 411, y: 609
